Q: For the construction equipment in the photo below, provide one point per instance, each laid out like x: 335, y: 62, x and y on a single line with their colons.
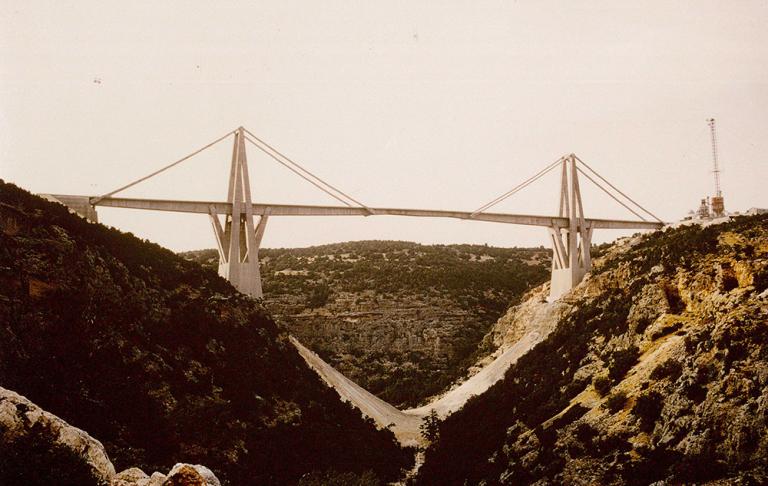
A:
x: 717, y: 203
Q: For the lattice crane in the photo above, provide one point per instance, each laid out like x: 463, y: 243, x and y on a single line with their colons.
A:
x: 718, y: 205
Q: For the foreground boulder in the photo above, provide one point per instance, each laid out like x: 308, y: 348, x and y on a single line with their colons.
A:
x: 179, y: 475
x: 188, y: 474
x: 37, y: 444
x: 39, y: 448
x: 135, y: 476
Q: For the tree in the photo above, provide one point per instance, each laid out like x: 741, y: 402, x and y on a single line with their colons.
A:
x: 430, y: 427
x: 319, y: 295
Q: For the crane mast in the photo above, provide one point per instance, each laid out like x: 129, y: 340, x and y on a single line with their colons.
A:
x: 718, y: 205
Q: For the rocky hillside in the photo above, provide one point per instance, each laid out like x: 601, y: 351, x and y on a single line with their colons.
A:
x: 656, y: 370
x: 403, y: 320
x: 162, y: 360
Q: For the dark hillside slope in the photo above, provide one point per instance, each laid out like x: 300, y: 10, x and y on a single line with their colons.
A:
x: 162, y: 360
x: 660, y: 372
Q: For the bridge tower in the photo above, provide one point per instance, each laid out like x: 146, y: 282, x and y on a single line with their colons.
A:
x: 571, y: 258
x: 239, y: 239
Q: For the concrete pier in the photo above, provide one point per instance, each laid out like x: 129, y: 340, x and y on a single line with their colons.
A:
x: 239, y: 237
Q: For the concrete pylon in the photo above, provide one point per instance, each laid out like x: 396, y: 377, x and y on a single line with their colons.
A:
x: 239, y: 239
x: 571, y: 259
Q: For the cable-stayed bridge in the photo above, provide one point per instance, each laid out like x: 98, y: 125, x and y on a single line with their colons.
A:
x: 239, y: 224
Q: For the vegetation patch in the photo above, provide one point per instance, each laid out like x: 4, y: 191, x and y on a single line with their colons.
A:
x: 602, y: 384
x: 616, y: 401
x: 699, y: 416
x: 162, y: 360
x: 402, y: 320
x: 621, y: 361
x: 670, y: 368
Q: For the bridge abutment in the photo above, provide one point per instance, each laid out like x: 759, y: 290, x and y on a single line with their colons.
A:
x: 80, y: 205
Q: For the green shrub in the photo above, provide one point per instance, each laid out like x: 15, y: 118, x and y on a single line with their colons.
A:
x: 616, y: 401
x: 602, y: 384
x: 621, y: 361
x: 610, y: 443
x: 671, y: 369
x: 648, y: 409
x: 319, y: 295
x: 585, y: 432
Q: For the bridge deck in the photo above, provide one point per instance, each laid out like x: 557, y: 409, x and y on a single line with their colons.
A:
x: 205, y: 207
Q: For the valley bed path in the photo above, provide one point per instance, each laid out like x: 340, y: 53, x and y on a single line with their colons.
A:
x: 405, y: 423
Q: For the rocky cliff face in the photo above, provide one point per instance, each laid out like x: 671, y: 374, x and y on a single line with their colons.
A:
x: 162, y: 360
x: 658, y: 373
x: 403, y: 320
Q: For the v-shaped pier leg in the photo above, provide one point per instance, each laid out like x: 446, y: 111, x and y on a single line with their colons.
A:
x: 239, y: 239
x: 571, y: 258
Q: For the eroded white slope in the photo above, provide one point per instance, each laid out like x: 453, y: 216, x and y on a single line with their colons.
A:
x: 537, y: 318
x: 405, y: 426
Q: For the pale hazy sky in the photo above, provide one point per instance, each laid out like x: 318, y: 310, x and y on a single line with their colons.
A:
x: 401, y: 104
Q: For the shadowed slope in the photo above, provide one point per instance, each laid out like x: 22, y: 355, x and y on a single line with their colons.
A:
x: 162, y: 360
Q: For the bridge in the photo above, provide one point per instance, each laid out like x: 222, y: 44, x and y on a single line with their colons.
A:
x: 239, y: 234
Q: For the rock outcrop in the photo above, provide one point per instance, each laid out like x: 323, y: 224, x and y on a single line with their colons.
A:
x: 659, y: 374
x: 191, y: 475
x: 179, y: 475
x: 26, y: 427
x: 136, y: 477
x: 38, y: 447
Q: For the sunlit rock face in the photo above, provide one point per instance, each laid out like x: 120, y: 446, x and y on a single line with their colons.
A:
x: 659, y: 372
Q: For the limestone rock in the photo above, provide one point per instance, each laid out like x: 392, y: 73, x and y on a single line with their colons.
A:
x: 191, y: 475
x: 530, y: 315
x: 647, y: 307
x: 19, y: 417
x: 130, y: 477
x: 157, y: 479
x: 180, y: 475
x: 137, y: 477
